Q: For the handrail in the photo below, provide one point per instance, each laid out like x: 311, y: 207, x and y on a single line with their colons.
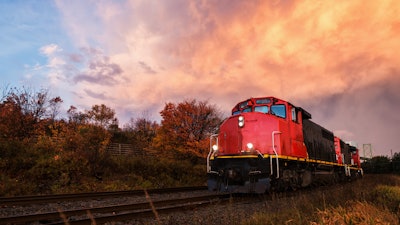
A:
x: 347, y: 171
x: 211, y: 151
x: 276, y: 154
x: 260, y: 154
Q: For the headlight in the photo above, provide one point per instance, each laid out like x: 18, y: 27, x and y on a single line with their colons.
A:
x: 215, y: 147
x: 241, y: 121
x: 250, y: 146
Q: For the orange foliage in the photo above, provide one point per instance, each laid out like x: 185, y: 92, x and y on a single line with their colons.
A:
x: 186, y: 127
x: 13, y: 123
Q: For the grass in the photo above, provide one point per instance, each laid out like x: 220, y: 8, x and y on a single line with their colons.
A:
x: 375, y: 199
x: 356, y: 213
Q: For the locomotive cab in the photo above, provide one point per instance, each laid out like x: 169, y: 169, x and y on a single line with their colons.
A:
x: 264, y: 126
x: 247, y: 149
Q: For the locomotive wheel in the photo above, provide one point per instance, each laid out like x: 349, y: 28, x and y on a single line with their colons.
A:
x: 294, y: 183
x: 306, y: 178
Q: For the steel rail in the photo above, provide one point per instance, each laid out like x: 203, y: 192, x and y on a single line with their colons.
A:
x: 37, y: 199
x: 116, y: 212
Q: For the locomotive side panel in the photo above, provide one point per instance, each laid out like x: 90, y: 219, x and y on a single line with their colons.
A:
x: 319, y: 142
x: 338, y: 151
x: 298, y: 149
x: 346, y: 152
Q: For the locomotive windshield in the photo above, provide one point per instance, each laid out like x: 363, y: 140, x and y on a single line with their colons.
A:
x: 261, y: 106
x: 279, y: 110
x: 246, y: 110
x: 263, y: 109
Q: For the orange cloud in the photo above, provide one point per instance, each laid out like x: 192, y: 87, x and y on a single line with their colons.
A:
x: 229, y: 50
x: 337, y: 59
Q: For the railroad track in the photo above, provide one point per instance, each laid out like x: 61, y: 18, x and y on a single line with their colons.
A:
x: 38, y: 199
x: 120, y: 212
x: 102, y: 215
x: 147, y: 208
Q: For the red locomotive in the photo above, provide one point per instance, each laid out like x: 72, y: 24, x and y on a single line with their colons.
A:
x: 269, y: 143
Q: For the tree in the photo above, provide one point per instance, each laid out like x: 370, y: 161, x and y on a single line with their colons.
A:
x: 22, y: 111
x: 54, y: 105
x: 379, y: 164
x: 186, y: 127
x: 13, y: 122
x: 32, y: 103
x: 142, y: 132
x: 75, y: 117
x: 396, y: 162
x: 91, y: 136
x: 102, y: 115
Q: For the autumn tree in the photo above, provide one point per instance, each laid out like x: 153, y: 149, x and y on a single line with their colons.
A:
x: 141, y: 132
x: 396, y: 162
x: 91, y: 135
x: 102, y: 115
x: 186, y: 127
x: 145, y: 130
x: 27, y: 121
x: 54, y: 107
x: 13, y: 134
x: 32, y: 103
x: 23, y: 110
x: 75, y: 117
x: 13, y: 121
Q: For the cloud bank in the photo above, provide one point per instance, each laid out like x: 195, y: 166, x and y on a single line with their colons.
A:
x: 339, y: 60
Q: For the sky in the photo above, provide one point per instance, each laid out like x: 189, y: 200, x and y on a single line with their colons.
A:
x: 339, y: 60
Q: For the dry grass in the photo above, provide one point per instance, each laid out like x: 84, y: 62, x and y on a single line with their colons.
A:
x: 362, y: 213
x: 374, y: 199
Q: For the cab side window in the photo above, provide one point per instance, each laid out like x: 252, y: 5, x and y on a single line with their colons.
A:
x: 294, y: 115
x: 236, y: 112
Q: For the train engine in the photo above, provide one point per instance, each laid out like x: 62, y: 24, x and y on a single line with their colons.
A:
x: 268, y: 143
